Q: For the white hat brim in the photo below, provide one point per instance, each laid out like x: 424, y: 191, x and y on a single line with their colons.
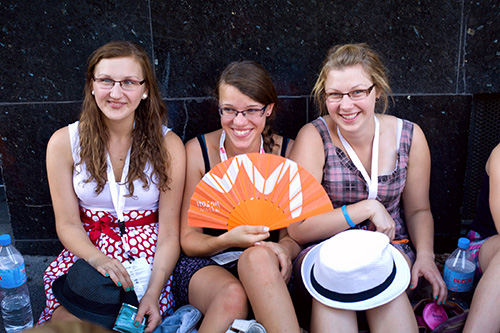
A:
x: 396, y: 288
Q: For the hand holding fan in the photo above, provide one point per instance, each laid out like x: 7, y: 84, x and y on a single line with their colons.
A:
x: 256, y: 189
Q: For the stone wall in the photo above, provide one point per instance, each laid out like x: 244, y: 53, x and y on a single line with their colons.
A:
x: 439, y: 54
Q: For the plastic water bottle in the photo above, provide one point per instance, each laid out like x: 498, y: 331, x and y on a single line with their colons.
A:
x: 16, y: 306
x: 459, y: 272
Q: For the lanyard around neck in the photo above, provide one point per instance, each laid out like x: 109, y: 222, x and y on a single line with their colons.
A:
x: 373, y: 181
x: 222, y: 150
x: 117, y: 191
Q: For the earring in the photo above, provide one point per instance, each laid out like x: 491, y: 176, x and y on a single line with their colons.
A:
x: 144, y: 96
x: 93, y: 93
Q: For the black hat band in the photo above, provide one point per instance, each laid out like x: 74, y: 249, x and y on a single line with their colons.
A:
x: 355, y: 297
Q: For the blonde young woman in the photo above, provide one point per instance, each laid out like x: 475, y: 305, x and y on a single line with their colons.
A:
x: 223, y: 292
x: 117, y: 163
x: 374, y: 167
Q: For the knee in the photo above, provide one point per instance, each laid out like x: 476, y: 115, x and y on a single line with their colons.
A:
x: 258, y: 263
x: 232, y: 299
x: 257, y: 258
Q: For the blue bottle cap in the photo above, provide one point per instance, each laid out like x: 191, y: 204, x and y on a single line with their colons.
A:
x: 5, y: 240
x: 463, y: 243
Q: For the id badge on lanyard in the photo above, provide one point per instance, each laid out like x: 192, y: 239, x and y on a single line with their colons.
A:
x: 118, y: 192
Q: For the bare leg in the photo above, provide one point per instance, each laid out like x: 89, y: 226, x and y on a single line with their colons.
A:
x: 325, y: 319
x: 62, y: 314
x: 259, y: 273
x: 483, y: 315
x: 395, y: 316
x: 219, y: 296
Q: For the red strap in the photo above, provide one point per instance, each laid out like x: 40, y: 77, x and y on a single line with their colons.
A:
x: 104, y: 224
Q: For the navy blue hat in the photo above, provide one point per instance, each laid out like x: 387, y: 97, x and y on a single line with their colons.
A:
x: 90, y: 296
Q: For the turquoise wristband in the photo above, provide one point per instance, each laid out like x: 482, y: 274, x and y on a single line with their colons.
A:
x: 347, y: 217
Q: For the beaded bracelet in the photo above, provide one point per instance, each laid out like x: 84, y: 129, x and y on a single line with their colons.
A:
x: 347, y: 217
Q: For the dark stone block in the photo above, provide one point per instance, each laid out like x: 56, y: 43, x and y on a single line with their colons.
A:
x: 25, y: 131
x: 291, y: 40
x: 292, y: 114
x: 190, y: 117
x: 445, y: 121
x: 45, y: 45
x: 482, y: 46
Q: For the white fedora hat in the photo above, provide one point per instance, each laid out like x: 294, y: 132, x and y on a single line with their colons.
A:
x: 355, y: 270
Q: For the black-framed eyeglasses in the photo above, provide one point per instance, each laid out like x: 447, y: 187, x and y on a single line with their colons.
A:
x: 107, y: 83
x: 355, y: 95
x: 249, y: 113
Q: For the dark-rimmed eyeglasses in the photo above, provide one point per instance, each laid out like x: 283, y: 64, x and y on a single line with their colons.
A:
x: 249, y: 113
x: 107, y: 83
x: 355, y: 95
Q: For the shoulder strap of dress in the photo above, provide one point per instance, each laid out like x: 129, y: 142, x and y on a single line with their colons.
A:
x: 204, y: 151
x: 398, y: 133
x: 165, y: 130
x: 74, y: 138
x: 284, y: 145
x: 322, y: 128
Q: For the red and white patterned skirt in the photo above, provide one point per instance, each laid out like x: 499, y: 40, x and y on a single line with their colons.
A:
x: 142, y: 240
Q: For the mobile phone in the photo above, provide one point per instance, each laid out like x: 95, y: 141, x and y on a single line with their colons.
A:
x: 125, y: 321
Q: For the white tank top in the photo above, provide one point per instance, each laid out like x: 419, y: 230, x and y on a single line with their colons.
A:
x: 142, y: 199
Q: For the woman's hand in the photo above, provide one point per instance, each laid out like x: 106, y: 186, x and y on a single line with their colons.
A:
x: 380, y: 219
x: 283, y: 257
x: 246, y: 235
x: 148, y: 306
x: 426, y: 267
x: 112, y: 268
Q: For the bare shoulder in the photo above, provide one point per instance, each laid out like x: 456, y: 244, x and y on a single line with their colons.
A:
x: 308, y: 150
x: 59, y: 144
x: 306, y: 133
x: 493, y: 162
x: 173, y: 141
x: 61, y: 136
x: 211, y: 139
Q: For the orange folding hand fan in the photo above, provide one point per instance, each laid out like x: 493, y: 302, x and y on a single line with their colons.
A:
x: 256, y: 189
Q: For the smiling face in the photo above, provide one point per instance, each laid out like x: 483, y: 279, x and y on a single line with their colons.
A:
x: 350, y: 115
x: 117, y: 104
x: 242, y: 133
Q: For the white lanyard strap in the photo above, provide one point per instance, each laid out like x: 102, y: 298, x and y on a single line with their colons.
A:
x: 222, y: 150
x: 117, y: 191
x: 373, y: 181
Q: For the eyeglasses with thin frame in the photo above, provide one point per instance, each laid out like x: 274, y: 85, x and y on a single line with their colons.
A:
x: 355, y: 95
x: 107, y: 83
x: 249, y: 113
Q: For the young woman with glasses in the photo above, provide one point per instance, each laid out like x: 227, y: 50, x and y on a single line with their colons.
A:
x: 376, y: 170
x: 247, y: 103
x: 116, y: 178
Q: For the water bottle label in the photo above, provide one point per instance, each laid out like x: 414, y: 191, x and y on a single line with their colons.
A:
x: 13, y: 278
x: 459, y: 282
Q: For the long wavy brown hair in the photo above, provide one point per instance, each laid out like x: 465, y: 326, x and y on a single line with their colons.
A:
x: 147, y: 135
x: 341, y: 56
x: 253, y: 80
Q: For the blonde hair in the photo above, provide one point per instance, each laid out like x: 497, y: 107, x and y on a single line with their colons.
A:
x: 341, y: 56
